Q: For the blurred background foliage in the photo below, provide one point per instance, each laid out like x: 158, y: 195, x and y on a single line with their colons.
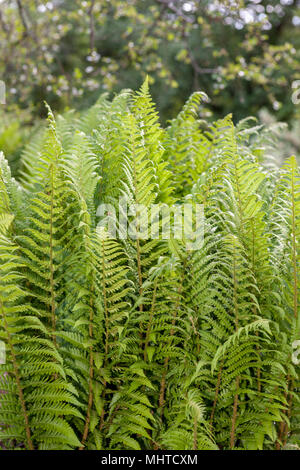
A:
x: 243, y: 53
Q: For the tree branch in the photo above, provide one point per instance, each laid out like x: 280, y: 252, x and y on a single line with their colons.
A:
x: 171, y: 6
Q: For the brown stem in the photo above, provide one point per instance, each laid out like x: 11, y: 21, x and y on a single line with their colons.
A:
x: 91, y: 376
x: 139, y: 265
x: 195, y: 434
x: 237, y: 380
x: 211, y: 421
x: 258, y: 373
x: 150, y: 321
x: 234, y: 415
x: 106, y: 315
x: 22, y: 16
x: 52, y: 303
x: 18, y: 380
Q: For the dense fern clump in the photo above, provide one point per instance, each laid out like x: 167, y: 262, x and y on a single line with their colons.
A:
x: 140, y: 343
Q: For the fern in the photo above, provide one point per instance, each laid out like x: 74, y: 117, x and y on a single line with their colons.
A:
x: 141, y: 342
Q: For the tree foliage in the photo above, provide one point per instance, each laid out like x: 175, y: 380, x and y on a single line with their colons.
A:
x: 243, y: 54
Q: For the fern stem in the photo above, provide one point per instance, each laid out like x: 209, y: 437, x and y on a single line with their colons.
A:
x: 91, y: 375
x: 106, y: 317
x: 294, y: 247
x: 105, y: 305
x: 150, y: 320
x: 53, y: 314
x: 258, y: 373
x: 139, y: 266
x: 284, y: 429
x: 18, y: 380
x: 234, y: 415
x: 138, y: 248
x: 166, y: 362
x: 211, y: 421
x: 237, y: 380
x: 195, y: 434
